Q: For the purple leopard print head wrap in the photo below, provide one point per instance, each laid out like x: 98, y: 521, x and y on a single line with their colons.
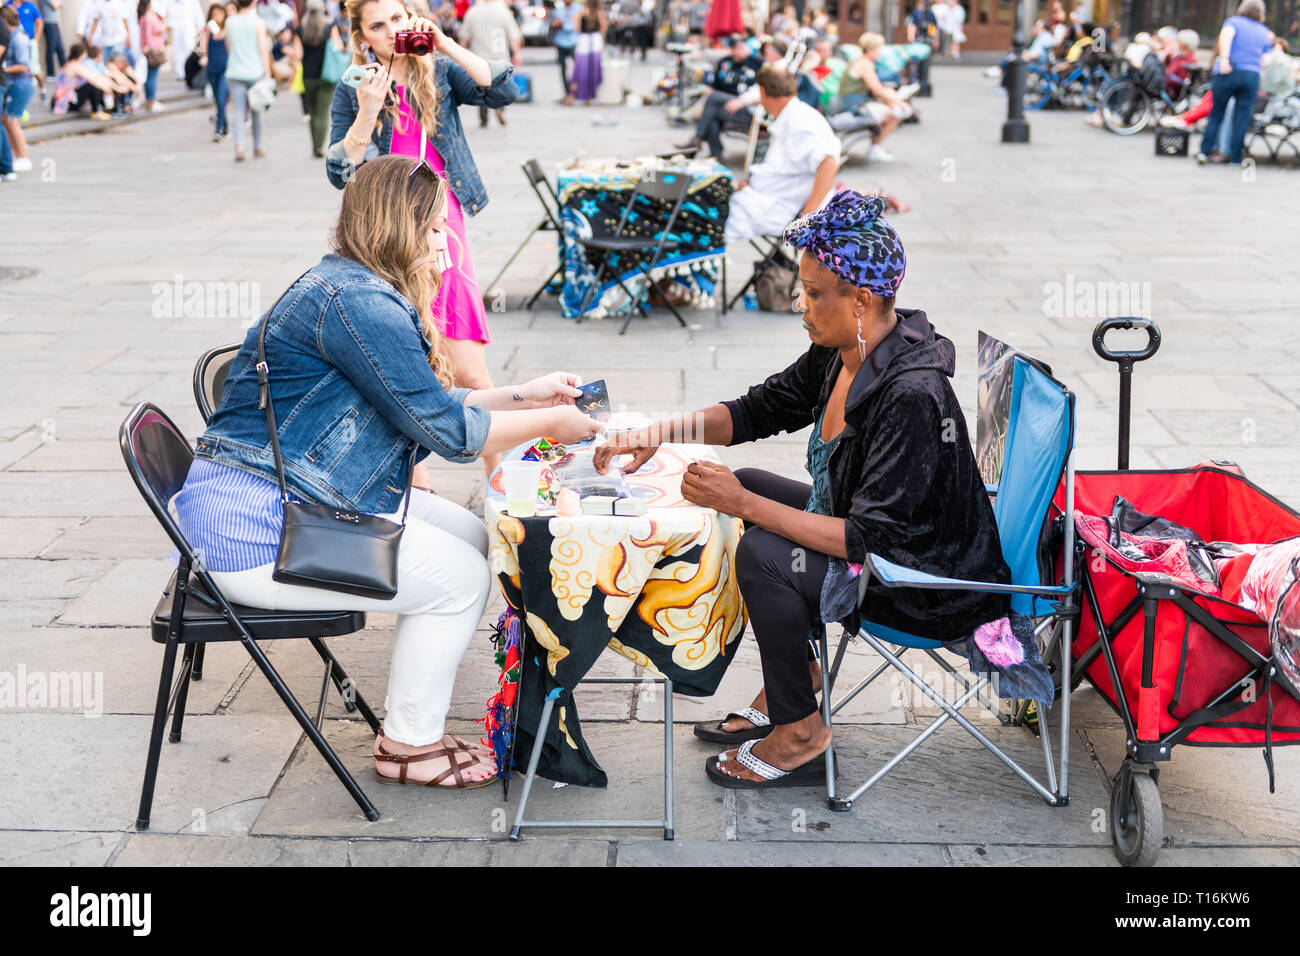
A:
x: 850, y: 238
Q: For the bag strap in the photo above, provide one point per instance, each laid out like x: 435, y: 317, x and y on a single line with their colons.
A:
x: 264, y: 402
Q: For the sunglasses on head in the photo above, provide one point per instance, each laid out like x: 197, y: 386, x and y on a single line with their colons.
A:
x: 422, y: 168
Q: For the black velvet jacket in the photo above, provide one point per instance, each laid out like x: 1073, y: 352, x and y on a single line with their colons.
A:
x: 903, y: 473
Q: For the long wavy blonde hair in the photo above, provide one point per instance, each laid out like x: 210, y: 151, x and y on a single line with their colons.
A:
x: 383, y: 224
x: 421, y: 88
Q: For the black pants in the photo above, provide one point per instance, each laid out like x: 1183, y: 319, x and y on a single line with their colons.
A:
x: 781, y: 583
x: 87, y: 94
x: 714, y: 118
x: 565, y: 54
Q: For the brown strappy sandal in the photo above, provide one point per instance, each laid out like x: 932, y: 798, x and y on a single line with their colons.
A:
x: 453, y: 756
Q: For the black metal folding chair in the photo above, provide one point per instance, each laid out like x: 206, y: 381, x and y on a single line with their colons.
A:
x: 770, y: 253
x: 193, y: 612
x: 670, y: 187
x: 210, y: 377
x: 550, y: 222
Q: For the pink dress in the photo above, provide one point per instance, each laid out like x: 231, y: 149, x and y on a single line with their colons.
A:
x: 457, y: 310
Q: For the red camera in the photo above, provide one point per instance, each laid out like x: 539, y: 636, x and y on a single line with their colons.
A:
x: 415, y: 42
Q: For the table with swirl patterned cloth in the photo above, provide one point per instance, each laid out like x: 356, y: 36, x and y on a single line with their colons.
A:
x: 659, y: 589
x: 593, y: 195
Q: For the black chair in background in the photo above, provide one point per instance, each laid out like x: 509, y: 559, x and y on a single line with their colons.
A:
x: 193, y: 612
x: 550, y: 222
x: 210, y: 377
x: 669, y: 187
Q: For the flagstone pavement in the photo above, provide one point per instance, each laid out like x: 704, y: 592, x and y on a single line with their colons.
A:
x: 1032, y: 244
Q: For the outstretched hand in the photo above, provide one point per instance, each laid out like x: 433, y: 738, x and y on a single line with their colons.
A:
x: 639, y: 444
x: 558, y: 388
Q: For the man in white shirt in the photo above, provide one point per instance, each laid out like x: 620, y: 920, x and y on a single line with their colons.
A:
x: 803, y: 156
x: 491, y: 31
x: 108, y: 27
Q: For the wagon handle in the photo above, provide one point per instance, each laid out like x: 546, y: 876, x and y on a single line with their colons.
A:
x: 1125, y: 358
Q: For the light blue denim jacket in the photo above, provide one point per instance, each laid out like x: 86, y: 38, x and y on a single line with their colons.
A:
x: 455, y: 88
x: 352, y: 388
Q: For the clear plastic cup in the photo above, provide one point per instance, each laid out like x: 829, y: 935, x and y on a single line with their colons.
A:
x: 520, y: 479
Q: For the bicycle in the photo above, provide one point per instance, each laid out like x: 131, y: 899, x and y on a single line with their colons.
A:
x: 1079, y: 88
x: 1128, y: 108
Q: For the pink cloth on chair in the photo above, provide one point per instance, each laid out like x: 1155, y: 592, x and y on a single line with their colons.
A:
x: 457, y: 309
x: 998, y: 643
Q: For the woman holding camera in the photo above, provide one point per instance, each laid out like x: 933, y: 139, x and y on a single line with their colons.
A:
x: 417, y: 116
x: 359, y: 378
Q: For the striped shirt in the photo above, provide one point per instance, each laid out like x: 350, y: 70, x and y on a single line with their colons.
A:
x: 231, y: 518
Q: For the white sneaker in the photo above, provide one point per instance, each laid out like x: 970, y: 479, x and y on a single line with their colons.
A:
x: 157, y: 107
x: 908, y: 91
x: 878, y: 154
x: 22, y: 164
x: 8, y: 177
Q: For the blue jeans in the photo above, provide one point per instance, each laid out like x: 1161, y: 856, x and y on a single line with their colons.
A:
x: 53, y: 49
x: 219, y: 91
x: 18, y: 94
x: 239, y: 99
x: 151, y: 84
x: 1241, y: 87
x: 6, y: 154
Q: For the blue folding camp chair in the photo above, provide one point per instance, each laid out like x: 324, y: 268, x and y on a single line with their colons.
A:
x: 1038, y: 449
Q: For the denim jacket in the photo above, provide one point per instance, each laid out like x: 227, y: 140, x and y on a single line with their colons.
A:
x: 352, y: 388
x: 455, y: 88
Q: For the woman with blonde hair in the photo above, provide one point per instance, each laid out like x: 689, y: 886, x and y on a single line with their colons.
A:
x: 360, y: 387
x: 407, y: 104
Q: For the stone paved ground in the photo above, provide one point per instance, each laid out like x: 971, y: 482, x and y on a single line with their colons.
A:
x: 92, y: 249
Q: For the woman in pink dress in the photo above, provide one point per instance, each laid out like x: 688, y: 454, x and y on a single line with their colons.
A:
x: 407, y: 105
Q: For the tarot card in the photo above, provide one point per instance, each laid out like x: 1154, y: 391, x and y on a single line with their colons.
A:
x: 594, y: 401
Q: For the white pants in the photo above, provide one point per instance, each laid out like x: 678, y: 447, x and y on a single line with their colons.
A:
x: 443, y: 582
x: 753, y: 214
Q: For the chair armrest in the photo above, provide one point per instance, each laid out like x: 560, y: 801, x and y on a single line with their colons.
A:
x: 893, y: 575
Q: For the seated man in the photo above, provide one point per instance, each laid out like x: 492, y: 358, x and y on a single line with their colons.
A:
x: 802, y: 159
x: 721, y: 109
x: 733, y: 75
x: 892, y: 474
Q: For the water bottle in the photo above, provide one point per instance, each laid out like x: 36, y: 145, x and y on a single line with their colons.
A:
x: 751, y: 301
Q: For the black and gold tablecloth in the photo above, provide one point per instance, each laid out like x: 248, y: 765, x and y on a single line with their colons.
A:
x: 659, y: 589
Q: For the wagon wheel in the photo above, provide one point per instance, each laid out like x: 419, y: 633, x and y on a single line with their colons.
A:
x: 1137, y: 819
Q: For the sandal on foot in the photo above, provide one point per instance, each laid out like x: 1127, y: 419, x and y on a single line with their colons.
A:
x: 479, y: 749
x: 810, y: 774
x: 713, y: 732
x: 456, y: 764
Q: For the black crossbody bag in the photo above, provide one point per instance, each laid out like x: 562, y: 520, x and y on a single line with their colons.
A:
x: 326, y: 547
